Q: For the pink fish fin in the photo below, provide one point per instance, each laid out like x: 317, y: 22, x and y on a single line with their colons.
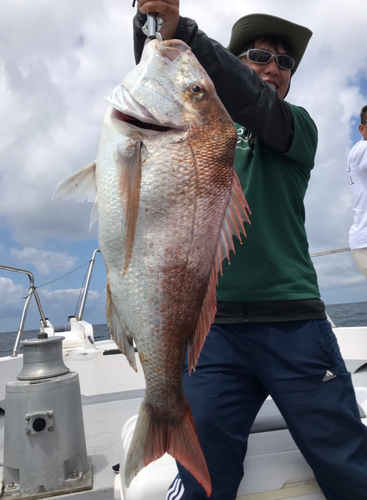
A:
x: 123, y: 341
x: 94, y: 215
x: 206, y: 318
x: 129, y: 160
x: 80, y: 187
x: 155, y: 436
x: 237, y: 212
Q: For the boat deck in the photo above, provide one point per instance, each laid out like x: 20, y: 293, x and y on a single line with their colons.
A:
x: 104, y: 417
x: 274, y: 468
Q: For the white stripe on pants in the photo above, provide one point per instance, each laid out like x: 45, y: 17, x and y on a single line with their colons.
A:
x: 176, y: 490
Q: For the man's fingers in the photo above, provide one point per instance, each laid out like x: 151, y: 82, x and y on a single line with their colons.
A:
x: 168, y: 11
x: 166, y: 8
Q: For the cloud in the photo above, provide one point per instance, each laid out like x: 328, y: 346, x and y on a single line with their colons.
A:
x: 57, y: 305
x: 67, y: 295
x: 12, y: 298
x: 54, y: 88
x: 44, y: 261
x: 9, y: 292
x: 56, y: 73
x: 61, y: 303
x: 57, y: 66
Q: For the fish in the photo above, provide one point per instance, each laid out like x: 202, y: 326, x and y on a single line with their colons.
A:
x: 169, y: 203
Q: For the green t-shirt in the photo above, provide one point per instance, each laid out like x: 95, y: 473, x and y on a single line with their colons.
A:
x: 273, y: 262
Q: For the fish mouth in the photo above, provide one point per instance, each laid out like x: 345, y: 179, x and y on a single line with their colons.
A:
x: 132, y: 120
x: 134, y: 111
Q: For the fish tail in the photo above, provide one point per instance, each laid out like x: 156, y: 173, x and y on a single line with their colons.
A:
x: 155, y: 436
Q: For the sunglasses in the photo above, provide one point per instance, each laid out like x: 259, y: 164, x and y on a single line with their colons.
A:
x: 363, y: 123
x: 261, y: 56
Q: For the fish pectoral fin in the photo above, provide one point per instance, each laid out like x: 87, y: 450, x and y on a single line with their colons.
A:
x: 153, y: 436
x: 93, y: 215
x: 129, y: 161
x: 80, y: 186
x: 237, y: 212
x: 123, y: 341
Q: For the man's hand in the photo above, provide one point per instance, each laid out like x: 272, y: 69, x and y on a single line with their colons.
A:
x: 168, y: 11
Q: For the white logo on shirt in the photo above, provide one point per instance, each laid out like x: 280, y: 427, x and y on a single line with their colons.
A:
x: 242, y: 140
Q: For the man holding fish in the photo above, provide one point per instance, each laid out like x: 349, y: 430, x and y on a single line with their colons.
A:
x: 270, y: 334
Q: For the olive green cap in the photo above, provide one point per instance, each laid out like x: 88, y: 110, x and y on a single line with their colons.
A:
x: 254, y: 25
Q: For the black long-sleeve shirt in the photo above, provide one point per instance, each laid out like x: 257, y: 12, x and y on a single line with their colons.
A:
x: 249, y: 100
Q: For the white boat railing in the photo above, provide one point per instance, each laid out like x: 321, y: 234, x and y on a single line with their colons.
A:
x: 79, y: 316
x: 33, y: 292
x: 329, y: 252
x: 83, y: 300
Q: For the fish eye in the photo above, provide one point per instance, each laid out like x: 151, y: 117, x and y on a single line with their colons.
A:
x: 196, y: 89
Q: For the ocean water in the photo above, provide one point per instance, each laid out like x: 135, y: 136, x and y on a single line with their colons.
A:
x: 353, y: 314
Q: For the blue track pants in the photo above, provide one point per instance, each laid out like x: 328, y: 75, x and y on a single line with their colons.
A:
x: 240, y: 365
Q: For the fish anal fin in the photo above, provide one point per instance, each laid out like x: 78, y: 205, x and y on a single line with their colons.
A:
x: 129, y: 160
x: 155, y: 436
x: 237, y: 212
x: 206, y: 318
x: 122, y: 340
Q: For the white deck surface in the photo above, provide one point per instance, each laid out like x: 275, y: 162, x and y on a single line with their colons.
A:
x: 104, y: 417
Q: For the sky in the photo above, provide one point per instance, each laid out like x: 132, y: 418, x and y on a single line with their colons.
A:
x: 58, y: 61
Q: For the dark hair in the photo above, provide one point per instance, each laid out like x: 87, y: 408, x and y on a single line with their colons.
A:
x: 363, y: 114
x: 274, y: 41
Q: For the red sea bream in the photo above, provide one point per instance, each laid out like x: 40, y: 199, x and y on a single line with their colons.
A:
x: 169, y: 202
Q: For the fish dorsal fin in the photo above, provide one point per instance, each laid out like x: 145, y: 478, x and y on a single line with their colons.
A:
x: 237, y: 212
x: 129, y: 160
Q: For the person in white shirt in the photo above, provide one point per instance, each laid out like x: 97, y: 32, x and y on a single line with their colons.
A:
x: 357, y: 173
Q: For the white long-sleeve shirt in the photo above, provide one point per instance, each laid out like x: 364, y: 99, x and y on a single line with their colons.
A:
x: 357, y: 173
